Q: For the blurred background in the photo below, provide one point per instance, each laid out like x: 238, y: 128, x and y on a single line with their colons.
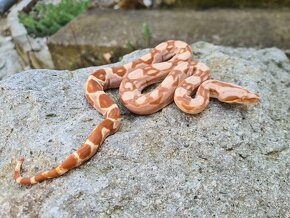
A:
x: 71, y: 34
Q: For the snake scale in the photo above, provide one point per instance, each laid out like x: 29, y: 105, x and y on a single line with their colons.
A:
x: 169, y: 63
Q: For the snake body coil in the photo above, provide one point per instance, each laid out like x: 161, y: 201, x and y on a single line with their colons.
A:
x: 169, y: 63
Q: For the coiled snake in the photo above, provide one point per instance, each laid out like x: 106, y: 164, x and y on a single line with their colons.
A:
x: 169, y: 63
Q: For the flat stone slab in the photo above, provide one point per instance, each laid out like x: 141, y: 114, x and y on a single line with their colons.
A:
x: 84, y: 41
x: 228, y: 161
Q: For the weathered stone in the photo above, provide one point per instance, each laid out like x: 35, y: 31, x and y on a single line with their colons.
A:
x: 33, y: 51
x: 228, y: 161
x: 224, y: 3
x: 10, y: 62
x: 84, y: 41
x: 204, y: 3
x: 104, y: 3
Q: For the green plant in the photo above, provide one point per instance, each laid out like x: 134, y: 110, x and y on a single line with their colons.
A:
x: 146, y: 34
x: 130, y: 46
x: 46, y: 19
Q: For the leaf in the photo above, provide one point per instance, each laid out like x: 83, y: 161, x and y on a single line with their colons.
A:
x: 146, y: 34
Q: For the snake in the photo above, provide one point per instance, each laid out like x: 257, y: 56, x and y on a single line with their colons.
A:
x: 170, y: 66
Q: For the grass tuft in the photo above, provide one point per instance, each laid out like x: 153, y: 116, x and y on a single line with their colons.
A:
x: 47, y: 19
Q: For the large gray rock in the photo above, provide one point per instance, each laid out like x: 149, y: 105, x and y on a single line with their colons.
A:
x: 229, y: 161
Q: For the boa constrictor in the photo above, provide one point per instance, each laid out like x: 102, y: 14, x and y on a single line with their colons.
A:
x: 169, y: 63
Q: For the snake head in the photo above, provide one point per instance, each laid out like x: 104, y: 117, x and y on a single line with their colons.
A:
x: 241, y: 96
x: 250, y: 98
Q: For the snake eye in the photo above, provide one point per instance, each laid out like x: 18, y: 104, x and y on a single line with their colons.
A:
x: 230, y: 99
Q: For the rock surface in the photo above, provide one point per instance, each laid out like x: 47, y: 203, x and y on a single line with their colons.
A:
x: 84, y: 40
x: 229, y: 161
